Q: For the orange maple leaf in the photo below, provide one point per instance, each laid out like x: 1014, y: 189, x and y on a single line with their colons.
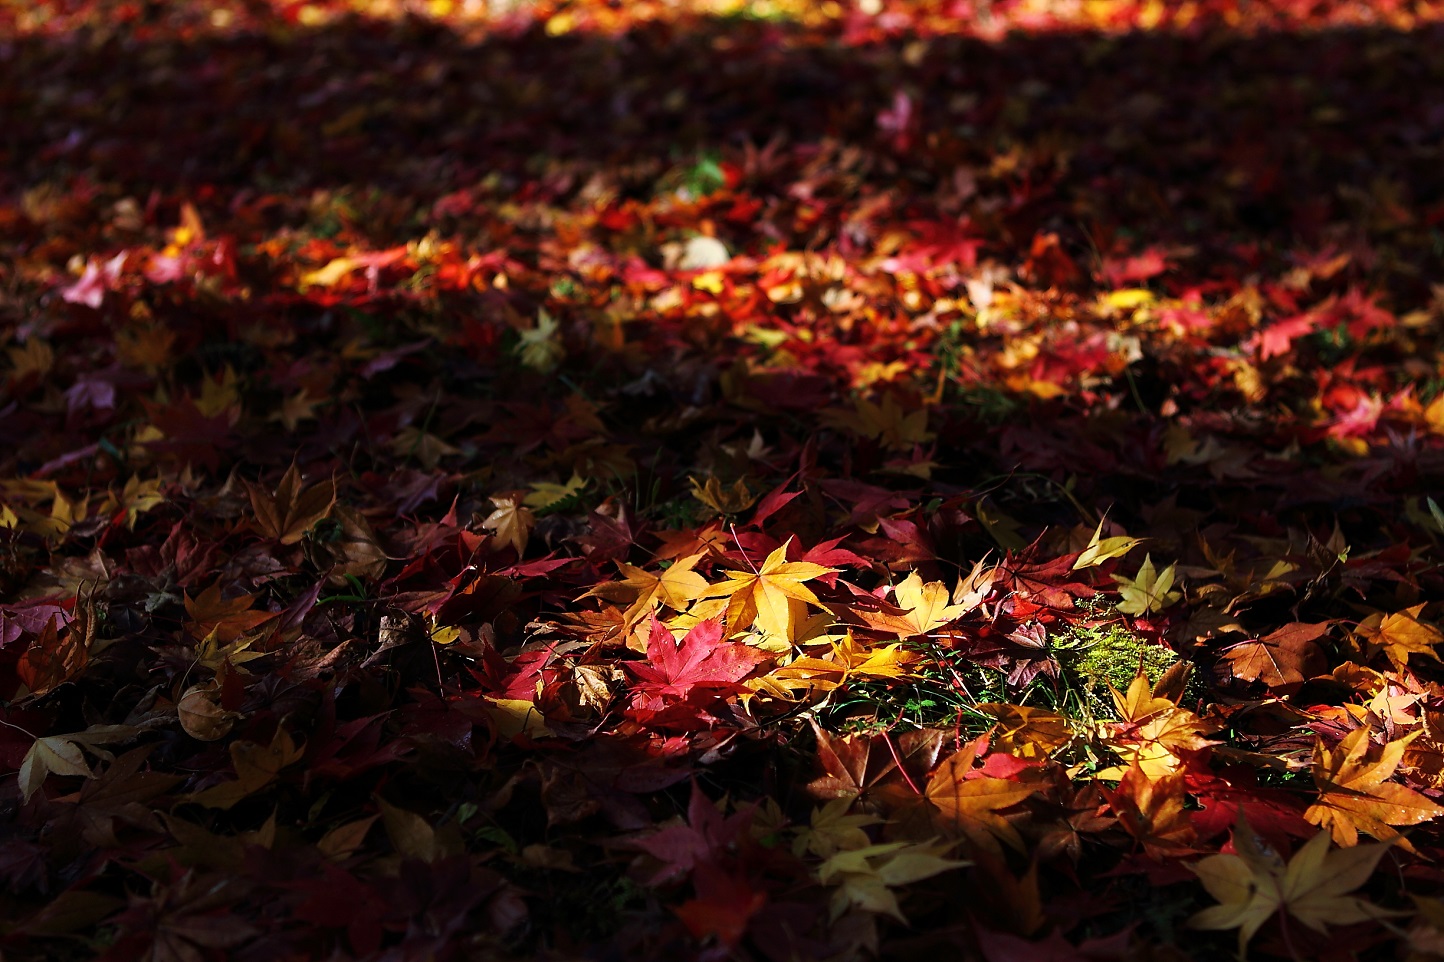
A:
x: 53, y: 658
x: 1154, y: 730
x: 227, y: 618
x: 1400, y: 635
x: 1355, y: 794
x: 970, y: 801
x: 1153, y: 811
x: 288, y: 514
x: 1027, y: 732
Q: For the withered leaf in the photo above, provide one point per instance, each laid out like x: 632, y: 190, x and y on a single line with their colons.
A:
x: 286, y: 514
x: 1284, y: 659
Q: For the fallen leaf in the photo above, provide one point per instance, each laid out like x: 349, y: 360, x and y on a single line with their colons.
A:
x: 1400, y: 635
x: 1355, y: 794
x: 1254, y: 885
x: 763, y: 597
x: 511, y: 522
x: 1147, y: 592
x: 291, y: 510
x: 1283, y: 659
x: 65, y: 755
x: 865, y: 877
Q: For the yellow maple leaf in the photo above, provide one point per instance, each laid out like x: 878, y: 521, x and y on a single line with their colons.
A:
x: 730, y: 500
x: 675, y: 587
x: 511, y: 522
x: 1255, y: 884
x: 139, y: 497
x: 296, y: 408
x: 256, y: 767
x: 220, y: 395
x: 548, y: 494
x: 540, y: 348
x: 212, y: 653
x: 330, y: 275
x: 848, y: 659
x: 62, y: 755
x: 1101, y: 549
x: 832, y: 830
x: 888, y: 423
x: 1149, y: 591
x: 865, y: 877
x: 763, y: 597
x: 926, y: 604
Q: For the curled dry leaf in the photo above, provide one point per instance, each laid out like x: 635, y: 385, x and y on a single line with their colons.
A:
x: 201, y: 715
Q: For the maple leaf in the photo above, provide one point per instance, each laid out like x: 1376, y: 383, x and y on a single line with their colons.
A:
x: 865, y: 877
x: 256, y: 766
x: 115, y: 795
x: 1154, y: 811
x: 1102, y: 549
x: 516, y: 716
x: 764, y: 597
x: 702, y: 663
x: 63, y: 755
x: 849, y: 658
x: 970, y: 800
x: 221, y: 621
x: 725, y: 903
x: 511, y: 521
x: 888, y: 422
x: 882, y: 778
x: 925, y: 605
x: 32, y: 358
x: 220, y: 396
x: 291, y: 511
x: 52, y: 658
x: 296, y: 408
x: 730, y: 500
x: 1154, y: 729
x: 345, y: 839
x: 1400, y: 635
x: 675, y: 587
x: 545, y: 495
x: 706, y: 836
x: 832, y: 830
x: 139, y: 497
x: 1355, y: 794
x: 1027, y: 732
x: 1254, y: 885
x: 1148, y: 591
x: 540, y: 347
x: 1283, y: 659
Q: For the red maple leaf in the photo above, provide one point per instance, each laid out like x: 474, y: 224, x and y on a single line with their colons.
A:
x: 688, y: 676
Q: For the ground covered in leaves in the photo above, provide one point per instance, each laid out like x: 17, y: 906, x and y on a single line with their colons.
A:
x: 771, y: 480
